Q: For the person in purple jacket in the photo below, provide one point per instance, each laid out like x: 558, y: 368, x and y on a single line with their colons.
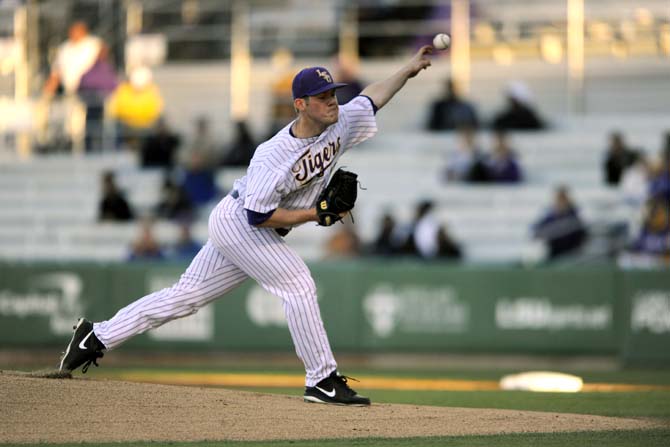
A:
x: 502, y: 164
x: 654, y: 237
x: 561, y: 228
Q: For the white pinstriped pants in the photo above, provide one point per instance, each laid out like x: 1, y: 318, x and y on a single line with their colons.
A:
x: 234, y: 252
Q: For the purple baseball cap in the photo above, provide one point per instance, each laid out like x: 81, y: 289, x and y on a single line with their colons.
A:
x: 312, y: 81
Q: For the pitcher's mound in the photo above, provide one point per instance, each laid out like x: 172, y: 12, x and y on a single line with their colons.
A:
x: 46, y: 410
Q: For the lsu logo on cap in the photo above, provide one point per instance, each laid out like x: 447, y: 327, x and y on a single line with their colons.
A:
x: 325, y: 75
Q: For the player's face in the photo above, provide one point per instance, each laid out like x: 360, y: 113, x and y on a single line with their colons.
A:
x: 323, y: 108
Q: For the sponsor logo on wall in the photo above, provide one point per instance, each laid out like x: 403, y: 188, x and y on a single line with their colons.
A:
x: 539, y: 313
x: 194, y: 327
x: 415, y: 310
x: 56, y: 296
x: 651, y: 312
x: 264, y: 309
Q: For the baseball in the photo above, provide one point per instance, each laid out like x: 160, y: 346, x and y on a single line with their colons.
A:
x: 441, y: 41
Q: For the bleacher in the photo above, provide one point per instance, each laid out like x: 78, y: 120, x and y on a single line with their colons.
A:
x: 49, y: 203
x: 493, y: 222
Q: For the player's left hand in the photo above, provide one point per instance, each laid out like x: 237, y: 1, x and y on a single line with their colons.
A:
x: 419, y: 61
x: 338, y: 198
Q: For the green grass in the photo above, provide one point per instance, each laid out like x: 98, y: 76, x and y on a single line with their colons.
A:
x: 648, y: 438
x: 634, y: 404
x: 654, y: 404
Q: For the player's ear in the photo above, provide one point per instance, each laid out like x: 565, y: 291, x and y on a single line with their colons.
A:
x: 299, y: 104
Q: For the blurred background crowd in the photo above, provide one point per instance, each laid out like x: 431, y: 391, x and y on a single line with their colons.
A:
x: 538, y: 137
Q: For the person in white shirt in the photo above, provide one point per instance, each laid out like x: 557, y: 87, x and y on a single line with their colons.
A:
x: 74, y: 58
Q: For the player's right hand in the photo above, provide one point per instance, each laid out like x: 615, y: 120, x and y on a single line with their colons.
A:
x: 419, y: 61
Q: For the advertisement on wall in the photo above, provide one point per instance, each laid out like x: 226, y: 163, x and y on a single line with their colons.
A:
x: 51, y: 298
x: 372, y: 308
x: 648, y: 322
x: 415, y: 309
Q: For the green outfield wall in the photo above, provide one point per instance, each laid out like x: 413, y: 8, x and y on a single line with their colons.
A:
x: 367, y: 306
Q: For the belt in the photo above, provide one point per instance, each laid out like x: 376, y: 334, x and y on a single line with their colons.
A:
x: 281, y: 231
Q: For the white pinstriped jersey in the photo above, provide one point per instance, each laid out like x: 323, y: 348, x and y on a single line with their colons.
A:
x: 289, y: 172
x: 285, y: 172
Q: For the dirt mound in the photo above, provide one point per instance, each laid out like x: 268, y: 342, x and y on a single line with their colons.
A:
x: 82, y: 410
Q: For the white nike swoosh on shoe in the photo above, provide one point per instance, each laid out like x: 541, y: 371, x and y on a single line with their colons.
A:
x: 83, y: 346
x: 330, y: 394
x: 69, y: 345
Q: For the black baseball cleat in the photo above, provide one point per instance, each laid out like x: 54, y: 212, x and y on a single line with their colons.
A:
x: 84, y: 348
x: 334, y: 390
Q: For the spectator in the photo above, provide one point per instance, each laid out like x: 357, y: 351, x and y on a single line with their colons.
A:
x: 665, y: 146
x: 136, y: 105
x: 468, y: 164
x: 146, y: 247
x: 74, y: 58
x: 346, y: 73
x: 448, y: 248
x: 345, y: 243
x: 197, y: 176
x: 561, y: 228
x: 198, y: 180
x: 659, y: 187
x: 634, y: 183
x: 451, y: 111
x: 82, y: 69
x: 619, y: 157
x: 502, y: 165
x: 281, y: 110
x: 387, y: 242
x: 634, y: 190
x: 159, y: 148
x: 94, y: 87
x: 518, y: 113
x: 186, y: 247
x: 242, y: 148
x: 429, y: 238
x: 654, y: 237
x: 174, y: 203
x: 425, y: 237
x: 201, y: 144
x: 113, y: 204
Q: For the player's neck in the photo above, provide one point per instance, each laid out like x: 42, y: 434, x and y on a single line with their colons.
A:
x: 306, y: 128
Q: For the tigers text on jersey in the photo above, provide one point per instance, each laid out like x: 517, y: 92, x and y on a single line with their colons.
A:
x: 289, y: 172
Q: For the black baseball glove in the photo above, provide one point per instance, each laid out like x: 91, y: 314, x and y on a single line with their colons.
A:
x: 338, y: 197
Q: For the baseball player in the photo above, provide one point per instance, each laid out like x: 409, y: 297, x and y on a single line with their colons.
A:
x: 280, y: 190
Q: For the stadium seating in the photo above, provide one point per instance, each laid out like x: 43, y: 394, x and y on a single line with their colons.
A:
x: 50, y: 202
